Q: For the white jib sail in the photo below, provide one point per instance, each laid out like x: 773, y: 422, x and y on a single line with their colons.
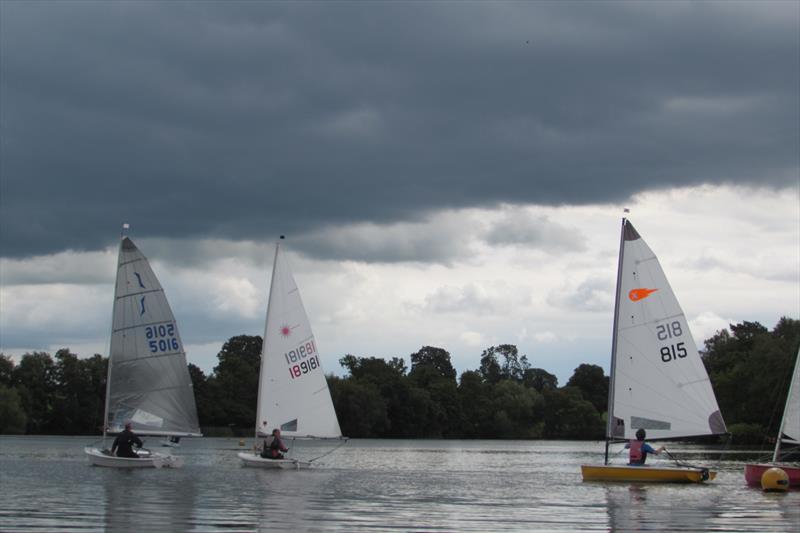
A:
x: 659, y: 382
x: 293, y: 393
x: 790, y: 425
x: 149, y: 383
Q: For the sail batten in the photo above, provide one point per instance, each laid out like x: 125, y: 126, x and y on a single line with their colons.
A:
x: 658, y: 380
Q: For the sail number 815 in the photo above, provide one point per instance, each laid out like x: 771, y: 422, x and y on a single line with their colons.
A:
x: 673, y: 352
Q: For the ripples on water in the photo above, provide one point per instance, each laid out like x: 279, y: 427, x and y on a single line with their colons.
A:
x: 370, y: 485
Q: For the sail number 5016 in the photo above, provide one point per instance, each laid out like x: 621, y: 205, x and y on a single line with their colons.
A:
x: 161, y: 338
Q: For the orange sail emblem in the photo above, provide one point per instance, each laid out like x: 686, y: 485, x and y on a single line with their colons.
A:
x: 640, y: 294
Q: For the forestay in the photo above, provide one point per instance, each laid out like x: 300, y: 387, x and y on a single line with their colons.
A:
x: 293, y: 393
x: 658, y: 382
x: 149, y: 383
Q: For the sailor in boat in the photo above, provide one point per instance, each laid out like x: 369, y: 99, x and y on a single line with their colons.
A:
x: 273, y: 446
x: 639, y: 449
x: 123, y: 444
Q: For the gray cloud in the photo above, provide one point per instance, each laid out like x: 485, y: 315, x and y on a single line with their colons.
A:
x: 242, y: 120
x: 522, y: 228
x: 593, y: 294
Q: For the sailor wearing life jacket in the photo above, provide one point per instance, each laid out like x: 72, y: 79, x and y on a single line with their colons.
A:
x: 639, y: 449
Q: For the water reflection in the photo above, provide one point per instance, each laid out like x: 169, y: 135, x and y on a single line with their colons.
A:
x: 47, y: 485
x: 659, y: 507
x: 147, y: 500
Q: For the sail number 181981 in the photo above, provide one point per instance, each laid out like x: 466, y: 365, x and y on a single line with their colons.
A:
x: 304, y: 367
x: 302, y: 359
x: 672, y: 352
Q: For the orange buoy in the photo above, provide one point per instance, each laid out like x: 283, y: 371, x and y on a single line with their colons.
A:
x: 775, y: 480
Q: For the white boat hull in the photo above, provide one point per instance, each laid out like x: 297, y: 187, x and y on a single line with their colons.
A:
x: 252, y: 459
x: 156, y: 460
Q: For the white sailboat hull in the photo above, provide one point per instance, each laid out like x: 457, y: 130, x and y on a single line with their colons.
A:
x: 254, y: 460
x: 156, y: 460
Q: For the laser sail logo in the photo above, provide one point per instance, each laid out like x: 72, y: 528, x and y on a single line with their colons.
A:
x: 640, y: 294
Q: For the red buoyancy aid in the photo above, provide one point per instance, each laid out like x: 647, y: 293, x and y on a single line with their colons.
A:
x: 637, y: 454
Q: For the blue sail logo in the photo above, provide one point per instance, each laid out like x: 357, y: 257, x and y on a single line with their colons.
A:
x: 142, y: 304
x: 138, y: 277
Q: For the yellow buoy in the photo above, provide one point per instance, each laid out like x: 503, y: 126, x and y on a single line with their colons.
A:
x: 241, y: 442
x: 775, y: 480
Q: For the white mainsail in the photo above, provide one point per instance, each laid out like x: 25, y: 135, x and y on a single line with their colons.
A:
x: 148, y: 381
x: 790, y: 424
x: 293, y: 393
x: 658, y: 381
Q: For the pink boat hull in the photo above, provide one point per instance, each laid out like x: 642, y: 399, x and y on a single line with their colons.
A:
x: 753, y: 473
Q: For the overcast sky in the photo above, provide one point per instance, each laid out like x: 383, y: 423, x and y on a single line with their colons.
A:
x: 447, y: 173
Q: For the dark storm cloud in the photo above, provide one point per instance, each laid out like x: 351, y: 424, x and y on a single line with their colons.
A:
x: 243, y: 120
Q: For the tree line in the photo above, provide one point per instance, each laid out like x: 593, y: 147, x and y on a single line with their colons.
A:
x: 505, y: 397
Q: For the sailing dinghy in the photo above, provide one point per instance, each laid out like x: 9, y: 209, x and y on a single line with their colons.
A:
x: 789, y: 433
x: 658, y: 381
x: 293, y: 394
x: 148, y: 383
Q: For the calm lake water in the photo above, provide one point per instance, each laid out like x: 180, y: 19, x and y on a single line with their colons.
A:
x: 374, y: 485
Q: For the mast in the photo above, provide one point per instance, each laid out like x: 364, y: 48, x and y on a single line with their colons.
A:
x: 610, y: 414
x: 786, y: 407
x: 264, y: 340
x: 125, y: 227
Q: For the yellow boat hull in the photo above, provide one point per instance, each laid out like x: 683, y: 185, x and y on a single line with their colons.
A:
x: 646, y: 474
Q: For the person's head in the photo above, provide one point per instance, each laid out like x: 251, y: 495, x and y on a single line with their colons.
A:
x: 640, y: 434
x: 276, y: 432
x: 128, y: 426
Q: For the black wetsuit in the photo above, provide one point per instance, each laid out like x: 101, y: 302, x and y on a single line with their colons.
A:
x: 123, y: 444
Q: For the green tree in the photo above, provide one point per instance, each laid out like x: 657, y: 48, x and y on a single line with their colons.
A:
x: 34, y: 380
x: 70, y: 390
x: 517, y: 411
x: 6, y: 370
x: 210, y: 411
x: 568, y: 416
x: 95, y: 372
x: 476, y: 404
x: 433, y: 372
x: 539, y: 379
x: 236, y: 380
x: 436, y: 358
x: 392, y: 383
x: 490, y: 369
x: 503, y: 362
x: 593, y: 384
x: 750, y: 370
x: 12, y: 416
x: 359, y: 407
